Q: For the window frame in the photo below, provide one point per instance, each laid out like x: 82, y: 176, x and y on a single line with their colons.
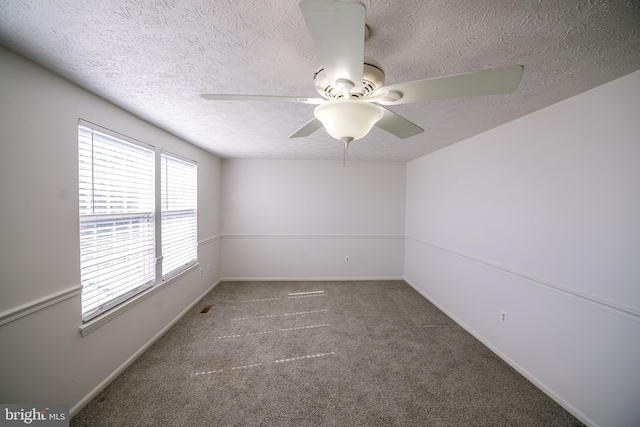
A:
x: 91, y: 320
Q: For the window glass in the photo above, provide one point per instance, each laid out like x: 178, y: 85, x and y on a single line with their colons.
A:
x: 117, y: 223
x: 179, y: 198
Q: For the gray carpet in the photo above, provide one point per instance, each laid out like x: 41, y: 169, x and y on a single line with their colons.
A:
x: 360, y: 353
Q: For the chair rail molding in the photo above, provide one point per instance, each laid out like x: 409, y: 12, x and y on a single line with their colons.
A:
x: 30, y: 307
x: 590, y: 299
x: 313, y: 236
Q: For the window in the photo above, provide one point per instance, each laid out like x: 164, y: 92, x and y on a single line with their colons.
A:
x: 117, y: 223
x: 118, y: 217
x: 179, y: 195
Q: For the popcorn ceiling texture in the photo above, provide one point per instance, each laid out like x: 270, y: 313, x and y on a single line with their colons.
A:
x: 155, y: 57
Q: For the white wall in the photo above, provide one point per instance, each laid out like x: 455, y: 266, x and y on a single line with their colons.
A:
x: 43, y: 356
x: 299, y: 219
x: 539, y: 218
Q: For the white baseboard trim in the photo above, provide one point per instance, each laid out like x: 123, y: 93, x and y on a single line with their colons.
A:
x: 305, y: 279
x: 571, y: 409
x: 93, y: 393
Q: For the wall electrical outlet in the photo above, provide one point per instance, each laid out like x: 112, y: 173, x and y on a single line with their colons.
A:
x: 503, y: 316
x: 346, y: 258
x: 200, y: 272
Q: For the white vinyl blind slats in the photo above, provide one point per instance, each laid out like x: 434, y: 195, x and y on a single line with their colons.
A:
x: 178, y: 216
x: 117, y: 220
x: 118, y: 217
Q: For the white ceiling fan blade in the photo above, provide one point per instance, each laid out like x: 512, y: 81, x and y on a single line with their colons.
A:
x: 299, y: 99
x: 309, y: 128
x: 337, y: 30
x: 476, y: 83
x: 398, y: 125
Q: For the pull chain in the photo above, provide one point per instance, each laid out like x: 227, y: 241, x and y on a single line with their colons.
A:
x: 344, y: 156
x: 346, y: 141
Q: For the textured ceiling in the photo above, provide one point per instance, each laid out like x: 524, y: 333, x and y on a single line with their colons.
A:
x: 154, y: 58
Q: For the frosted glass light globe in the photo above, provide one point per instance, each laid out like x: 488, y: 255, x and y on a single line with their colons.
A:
x: 348, y: 120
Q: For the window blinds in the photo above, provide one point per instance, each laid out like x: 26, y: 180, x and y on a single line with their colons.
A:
x: 117, y: 225
x: 179, y: 195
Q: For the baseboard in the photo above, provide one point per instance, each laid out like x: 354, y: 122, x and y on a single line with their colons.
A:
x: 571, y: 409
x: 78, y: 406
x: 305, y: 279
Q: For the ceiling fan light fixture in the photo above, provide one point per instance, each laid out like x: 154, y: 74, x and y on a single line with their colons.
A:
x: 348, y: 119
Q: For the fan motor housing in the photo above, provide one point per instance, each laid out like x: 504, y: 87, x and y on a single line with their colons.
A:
x: 372, y: 79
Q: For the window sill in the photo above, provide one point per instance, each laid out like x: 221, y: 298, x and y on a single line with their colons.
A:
x: 95, y: 323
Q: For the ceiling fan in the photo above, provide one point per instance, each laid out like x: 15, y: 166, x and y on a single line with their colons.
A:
x: 352, y: 86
